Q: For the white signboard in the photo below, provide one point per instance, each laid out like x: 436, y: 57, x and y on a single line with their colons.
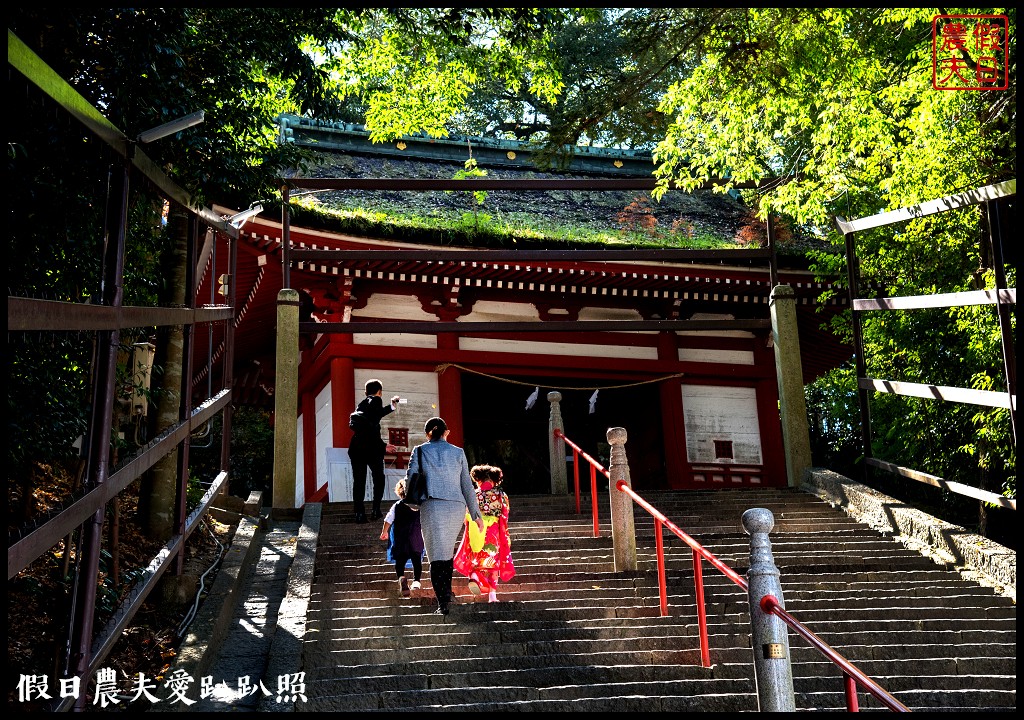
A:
x: 340, y: 481
x: 721, y: 413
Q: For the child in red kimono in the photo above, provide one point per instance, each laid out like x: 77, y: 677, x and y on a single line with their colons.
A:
x: 486, y: 558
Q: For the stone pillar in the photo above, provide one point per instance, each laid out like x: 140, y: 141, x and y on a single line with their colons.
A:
x: 773, y: 672
x: 623, y: 528
x: 556, y: 446
x: 796, y: 438
x: 286, y: 400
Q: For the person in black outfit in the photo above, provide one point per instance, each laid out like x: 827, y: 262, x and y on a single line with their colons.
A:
x: 366, y: 450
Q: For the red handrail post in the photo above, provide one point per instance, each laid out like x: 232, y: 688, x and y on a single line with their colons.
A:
x: 576, y: 476
x: 659, y: 544
x: 702, y: 615
x: 850, y: 685
x: 577, y: 452
x: 758, y: 521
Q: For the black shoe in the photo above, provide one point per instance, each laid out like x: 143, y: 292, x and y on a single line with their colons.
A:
x: 441, y: 610
x: 376, y: 515
x: 360, y: 517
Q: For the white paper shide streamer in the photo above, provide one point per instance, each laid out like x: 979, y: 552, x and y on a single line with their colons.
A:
x: 533, y: 398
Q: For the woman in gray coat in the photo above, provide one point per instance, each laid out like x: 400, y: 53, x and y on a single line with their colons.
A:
x: 450, y: 493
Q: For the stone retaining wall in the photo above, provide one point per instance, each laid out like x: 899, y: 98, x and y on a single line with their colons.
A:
x: 973, y: 555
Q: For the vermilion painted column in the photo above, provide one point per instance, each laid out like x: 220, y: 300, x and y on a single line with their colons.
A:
x: 449, y: 388
x: 673, y: 429
x: 307, y: 404
x: 343, y: 399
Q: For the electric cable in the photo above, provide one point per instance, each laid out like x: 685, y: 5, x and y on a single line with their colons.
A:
x: 190, y: 616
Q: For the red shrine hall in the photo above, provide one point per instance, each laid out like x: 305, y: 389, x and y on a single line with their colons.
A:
x: 701, y: 408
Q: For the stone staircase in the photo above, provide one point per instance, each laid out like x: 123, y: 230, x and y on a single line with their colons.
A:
x: 572, y: 635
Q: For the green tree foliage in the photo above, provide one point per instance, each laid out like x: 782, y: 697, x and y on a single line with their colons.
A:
x: 614, y: 65
x: 147, y: 66
x: 402, y: 70
x: 834, y: 421
x: 412, y: 69
x: 839, y: 103
x: 252, y: 451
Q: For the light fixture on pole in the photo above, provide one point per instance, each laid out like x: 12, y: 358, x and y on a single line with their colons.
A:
x: 239, y: 219
x: 169, y: 128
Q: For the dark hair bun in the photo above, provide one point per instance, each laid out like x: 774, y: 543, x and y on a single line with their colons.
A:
x: 435, y: 427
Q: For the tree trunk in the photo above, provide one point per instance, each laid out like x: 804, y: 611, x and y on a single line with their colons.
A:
x: 158, y: 492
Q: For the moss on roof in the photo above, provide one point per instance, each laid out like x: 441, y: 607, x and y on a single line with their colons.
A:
x: 524, y: 219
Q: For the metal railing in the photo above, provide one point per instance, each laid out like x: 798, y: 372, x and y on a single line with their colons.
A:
x: 86, y: 646
x: 595, y: 467
x: 1001, y: 296
x: 852, y: 676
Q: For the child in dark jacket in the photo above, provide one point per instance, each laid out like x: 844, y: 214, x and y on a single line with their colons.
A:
x: 405, y: 541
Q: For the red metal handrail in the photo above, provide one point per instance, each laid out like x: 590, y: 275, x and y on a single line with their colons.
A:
x: 852, y: 677
x: 699, y: 552
x: 577, y: 452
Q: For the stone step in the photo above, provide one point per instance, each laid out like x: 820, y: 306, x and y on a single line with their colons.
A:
x: 732, y: 660
x: 519, y: 695
x: 895, y: 667
x: 585, y: 548
x: 330, y: 666
x: 470, y: 643
x: 357, y: 633
x: 921, y: 613
x: 897, y: 684
x: 570, y: 634
x: 811, y: 610
x: 549, y: 683
x: 407, y: 631
x: 917, y: 700
x: 725, y: 650
x: 951, y: 596
x: 631, y: 703
x: 808, y: 677
x: 797, y: 585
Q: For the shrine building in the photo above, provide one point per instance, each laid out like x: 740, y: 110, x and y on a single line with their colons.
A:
x: 700, y: 405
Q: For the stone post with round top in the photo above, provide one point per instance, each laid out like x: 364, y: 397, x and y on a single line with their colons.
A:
x: 556, y: 446
x: 773, y: 671
x: 623, y: 529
